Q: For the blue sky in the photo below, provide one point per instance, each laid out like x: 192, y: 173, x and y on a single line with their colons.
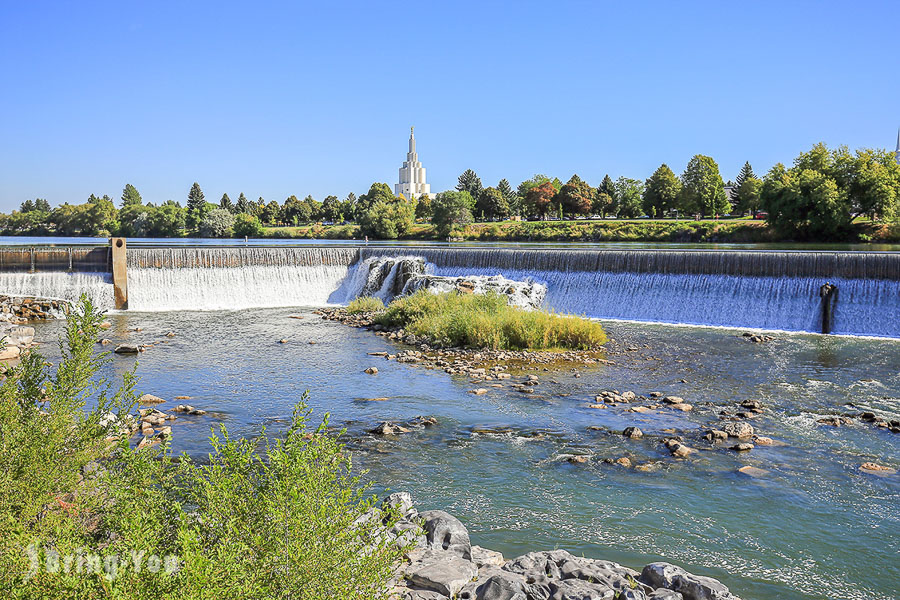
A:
x: 280, y: 98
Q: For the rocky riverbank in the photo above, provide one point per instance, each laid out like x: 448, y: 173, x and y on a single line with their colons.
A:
x: 441, y: 563
x: 22, y: 309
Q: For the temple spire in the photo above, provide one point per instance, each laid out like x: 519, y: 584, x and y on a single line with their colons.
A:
x: 897, y: 151
x: 412, y: 174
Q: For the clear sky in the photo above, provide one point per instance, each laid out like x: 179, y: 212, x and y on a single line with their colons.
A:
x: 281, y: 98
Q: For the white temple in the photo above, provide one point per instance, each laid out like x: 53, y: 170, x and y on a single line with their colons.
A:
x: 412, y: 174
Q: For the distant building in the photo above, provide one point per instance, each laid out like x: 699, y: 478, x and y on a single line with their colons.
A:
x: 897, y: 151
x: 412, y: 174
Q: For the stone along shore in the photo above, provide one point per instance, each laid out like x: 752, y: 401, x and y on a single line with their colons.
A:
x: 441, y: 563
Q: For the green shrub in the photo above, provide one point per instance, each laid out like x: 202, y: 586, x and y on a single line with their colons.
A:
x: 365, y: 304
x: 247, y: 226
x: 487, y: 321
x: 254, y: 519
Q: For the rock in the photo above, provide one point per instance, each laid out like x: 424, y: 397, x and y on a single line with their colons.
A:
x: 282, y: 341
x: 10, y: 353
x: 148, y: 399
x: 633, y: 433
x: 445, y: 532
x: 576, y: 589
x: 664, y: 594
x: 105, y: 325
x: 479, y: 391
x: 691, y: 587
x: 628, y: 396
x: 127, y: 349
x: 499, y: 585
x: 170, y: 334
x: 578, y: 459
x: 680, y: 450
x: 737, y: 429
x: 683, y: 406
x: 742, y: 447
x: 483, y: 557
x: 105, y: 342
x: 388, y: 428
x: 876, y: 469
x: 673, y: 400
x: 624, y: 462
x: 441, y: 571
x: 399, y: 502
x: 760, y: 440
x: 715, y: 435
x: 752, y: 471
x: 372, y: 370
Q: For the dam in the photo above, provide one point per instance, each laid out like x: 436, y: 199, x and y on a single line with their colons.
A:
x: 776, y: 290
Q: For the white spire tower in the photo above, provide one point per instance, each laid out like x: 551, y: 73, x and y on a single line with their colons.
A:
x: 897, y: 151
x: 412, y: 174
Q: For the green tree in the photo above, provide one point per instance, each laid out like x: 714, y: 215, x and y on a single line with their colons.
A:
x: 492, y: 204
x: 628, y: 198
x: 348, y: 205
x: 295, y: 211
x: 243, y: 205
x: 512, y: 198
x: 470, y: 182
x: 272, y: 213
x: 247, y: 226
x: 315, y: 208
x: 196, y: 206
x: 423, y: 207
x: 746, y: 191
x: 41, y: 205
x: 130, y: 196
x: 388, y: 219
x: 27, y: 206
x: 331, y: 209
x: 218, y: 223
x: 805, y: 203
x: 575, y: 197
x: 167, y: 220
x: 874, y: 184
x: 702, y: 189
x: 226, y: 204
x: 378, y: 192
x: 661, y: 191
x: 449, y: 210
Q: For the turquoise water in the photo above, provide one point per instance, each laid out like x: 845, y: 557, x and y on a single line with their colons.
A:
x: 814, y: 528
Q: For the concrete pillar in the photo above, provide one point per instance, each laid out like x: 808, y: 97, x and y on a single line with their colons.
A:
x: 119, y: 272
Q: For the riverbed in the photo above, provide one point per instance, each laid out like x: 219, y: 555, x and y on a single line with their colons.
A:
x: 812, y: 527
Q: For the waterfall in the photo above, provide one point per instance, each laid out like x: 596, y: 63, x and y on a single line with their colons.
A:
x: 60, y: 286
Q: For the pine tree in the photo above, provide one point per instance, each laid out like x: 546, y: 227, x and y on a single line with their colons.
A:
x: 130, y: 196
x: 196, y: 204
x: 470, y: 182
x: 243, y: 205
x: 226, y: 203
x: 745, y: 174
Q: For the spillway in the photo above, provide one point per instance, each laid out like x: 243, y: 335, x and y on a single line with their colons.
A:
x: 758, y: 289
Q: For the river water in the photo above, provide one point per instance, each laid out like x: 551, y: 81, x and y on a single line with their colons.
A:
x: 814, y: 527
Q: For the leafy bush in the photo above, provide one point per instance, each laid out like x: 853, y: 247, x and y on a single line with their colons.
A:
x: 487, y: 321
x: 217, y: 223
x: 247, y: 226
x: 365, y: 304
x: 277, y: 519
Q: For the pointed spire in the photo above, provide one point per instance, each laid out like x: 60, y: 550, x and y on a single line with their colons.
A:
x: 898, y: 142
x: 412, y: 141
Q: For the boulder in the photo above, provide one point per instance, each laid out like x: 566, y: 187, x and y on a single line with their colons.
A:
x: 738, y: 429
x: 743, y: 447
x: 372, y: 370
x: 633, y: 433
x: 576, y: 589
x: 150, y: 399
x: 127, y: 349
x: 690, y: 586
x: 664, y: 594
x: 501, y: 585
x: 482, y: 557
x: 388, y: 428
x: 445, y: 532
x: 441, y: 571
x: 10, y: 353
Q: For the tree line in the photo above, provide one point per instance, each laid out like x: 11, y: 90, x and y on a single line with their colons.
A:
x: 819, y: 196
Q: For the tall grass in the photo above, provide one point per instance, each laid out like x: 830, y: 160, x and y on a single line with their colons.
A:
x: 365, y: 304
x: 85, y: 516
x: 487, y: 321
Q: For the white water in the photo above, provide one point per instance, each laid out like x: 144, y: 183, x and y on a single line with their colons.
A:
x: 152, y: 289
x: 60, y: 286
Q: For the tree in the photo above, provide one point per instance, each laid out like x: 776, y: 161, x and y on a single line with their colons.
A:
x: 388, y: 219
x: 226, y: 204
x: 492, y: 204
x: 243, y: 205
x: 41, y: 205
x: 315, y: 208
x: 331, y: 209
x: 539, y: 199
x: 575, y: 197
x: 247, y: 226
x: 217, y: 223
x: 804, y: 202
x: 470, y: 182
x: 423, y: 207
x: 27, y: 206
x: 272, y: 213
x: 167, y: 220
x: 295, y: 211
x: 628, y: 197
x: 130, y: 196
x: 874, y: 184
x: 661, y: 191
x: 511, y: 197
x: 195, y: 206
x: 347, y: 206
x: 449, y: 210
x: 702, y: 189
x: 746, y: 191
x: 378, y: 192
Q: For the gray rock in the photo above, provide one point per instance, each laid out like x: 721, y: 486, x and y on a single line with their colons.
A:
x: 605, y: 572
x: 539, y: 566
x: 127, y: 349
x: 482, y: 557
x: 664, y: 594
x: 691, y: 587
x: 576, y: 589
x: 494, y: 584
x: 440, y: 571
x: 400, y: 502
x: 738, y: 429
x: 423, y: 595
x: 445, y: 532
x: 633, y: 433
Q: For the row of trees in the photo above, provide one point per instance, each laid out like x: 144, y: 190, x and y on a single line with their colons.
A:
x: 821, y: 194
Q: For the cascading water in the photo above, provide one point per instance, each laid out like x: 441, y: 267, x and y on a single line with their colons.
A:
x: 60, y: 286
x: 766, y: 290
